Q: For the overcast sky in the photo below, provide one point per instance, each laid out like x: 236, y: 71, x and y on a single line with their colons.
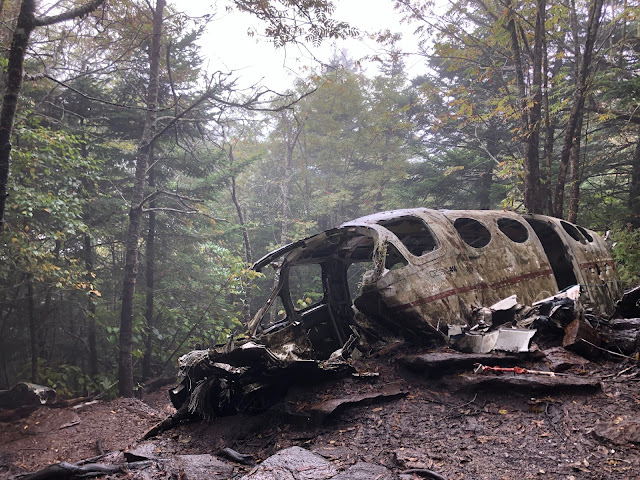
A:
x: 227, y: 46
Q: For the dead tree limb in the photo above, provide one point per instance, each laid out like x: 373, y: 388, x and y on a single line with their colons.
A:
x: 69, y: 471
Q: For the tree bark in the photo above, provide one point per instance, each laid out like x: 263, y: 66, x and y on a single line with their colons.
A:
x: 248, y: 255
x: 91, y: 309
x: 33, y: 330
x: 486, y: 177
x: 634, y: 188
x: 24, y: 26
x: 532, y: 185
x: 10, y: 305
x: 549, y: 136
x: 577, y: 107
x: 150, y: 271
x: 125, y: 360
x: 574, y: 174
x: 292, y: 134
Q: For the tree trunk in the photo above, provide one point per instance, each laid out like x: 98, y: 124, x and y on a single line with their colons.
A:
x: 25, y: 24
x: 91, y: 309
x: 549, y: 136
x: 125, y: 360
x: 33, y: 330
x: 486, y: 178
x: 532, y: 185
x: 150, y: 271
x: 634, y: 188
x: 517, y: 61
x: 24, y: 27
x: 248, y: 255
x: 10, y: 305
x: 574, y: 174
x: 486, y: 181
x: 577, y: 106
x: 292, y: 134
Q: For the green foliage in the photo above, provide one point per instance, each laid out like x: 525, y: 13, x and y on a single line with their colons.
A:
x: 71, y: 381
x: 627, y: 254
x: 51, y: 183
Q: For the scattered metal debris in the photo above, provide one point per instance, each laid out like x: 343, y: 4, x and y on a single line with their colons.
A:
x: 26, y: 394
x: 318, y: 412
x: 231, y: 454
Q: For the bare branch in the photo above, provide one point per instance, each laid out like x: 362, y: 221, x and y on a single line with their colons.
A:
x: 161, y: 193
x: 168, y: 209
x: 68, y: 15
x: 94, y: 99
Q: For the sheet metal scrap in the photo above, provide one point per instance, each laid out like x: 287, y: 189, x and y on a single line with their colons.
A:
x: 247, y: 377
x: 27, y: 394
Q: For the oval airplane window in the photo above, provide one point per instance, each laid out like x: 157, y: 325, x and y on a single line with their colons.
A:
x: 513, y: 229
x: 585, y: 233
x: 572, y: 231
x: 472, y: 232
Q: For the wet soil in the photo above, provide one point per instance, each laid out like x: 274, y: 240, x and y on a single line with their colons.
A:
x: 436, y: 424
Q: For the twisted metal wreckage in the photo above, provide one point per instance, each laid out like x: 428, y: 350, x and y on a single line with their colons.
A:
x: 477, y: 280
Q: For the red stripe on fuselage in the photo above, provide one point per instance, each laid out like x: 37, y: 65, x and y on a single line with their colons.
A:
x: 470, y: 288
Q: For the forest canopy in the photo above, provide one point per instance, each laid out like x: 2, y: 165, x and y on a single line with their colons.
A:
x: 138, y: 184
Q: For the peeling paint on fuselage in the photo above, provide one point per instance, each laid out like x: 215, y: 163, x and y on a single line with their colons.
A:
x: 430, y: 269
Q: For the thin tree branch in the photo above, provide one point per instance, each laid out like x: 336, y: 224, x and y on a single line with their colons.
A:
x: 68, y: 15
x: 93, y: 99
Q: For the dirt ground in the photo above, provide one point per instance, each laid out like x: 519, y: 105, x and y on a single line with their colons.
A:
x: 436, y: 424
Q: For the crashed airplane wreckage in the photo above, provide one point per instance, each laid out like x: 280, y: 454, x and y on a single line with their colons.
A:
x: 449, y: 277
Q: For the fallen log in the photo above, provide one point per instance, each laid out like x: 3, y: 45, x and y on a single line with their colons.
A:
x: 624, y: 341
x: 532, y: 383
x: 441, y: 363
x: 16, y: 413
x: 169, y: 422
x: 69, y: 471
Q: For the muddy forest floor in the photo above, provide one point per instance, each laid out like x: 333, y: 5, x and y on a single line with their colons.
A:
x: 434, y: 424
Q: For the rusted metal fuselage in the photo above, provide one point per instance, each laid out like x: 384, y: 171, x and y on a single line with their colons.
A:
x: 423, y: 272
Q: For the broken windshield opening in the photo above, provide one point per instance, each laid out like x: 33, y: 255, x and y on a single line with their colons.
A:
x: 305, y: 285
x: 586, y: 234
x: 394, y: 258
x: 413, y: 233
x: 355, y: 274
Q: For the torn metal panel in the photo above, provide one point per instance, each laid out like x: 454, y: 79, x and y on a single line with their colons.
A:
x: 26, y: 394
x: 590, y: 262
x: 501, y: 340
x: 247, y: 376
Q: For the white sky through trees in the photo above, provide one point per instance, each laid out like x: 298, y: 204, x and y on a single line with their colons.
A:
x: 228, y: 46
